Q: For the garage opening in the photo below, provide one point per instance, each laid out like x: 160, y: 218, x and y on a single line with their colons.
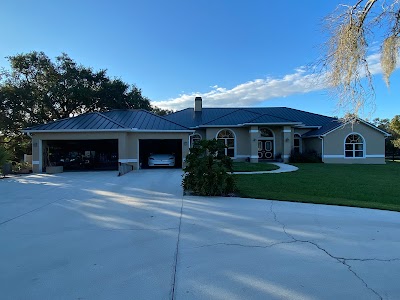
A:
x: 80, y: 155
x: 165, y: 146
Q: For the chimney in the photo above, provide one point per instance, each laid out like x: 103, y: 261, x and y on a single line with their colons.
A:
x: 198, y: 104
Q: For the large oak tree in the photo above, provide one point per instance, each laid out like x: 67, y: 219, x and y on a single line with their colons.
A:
x: 37, y: 90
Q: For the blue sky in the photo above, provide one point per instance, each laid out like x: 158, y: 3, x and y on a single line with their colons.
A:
x: 232, y: 53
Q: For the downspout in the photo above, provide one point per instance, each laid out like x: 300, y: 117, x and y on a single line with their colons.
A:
x: 322, y: 154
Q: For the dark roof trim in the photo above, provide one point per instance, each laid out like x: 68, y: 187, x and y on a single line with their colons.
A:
x: 361, y: 121
x: 103, y: 130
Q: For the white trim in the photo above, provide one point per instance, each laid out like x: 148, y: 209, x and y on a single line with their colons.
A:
x: 234, y: 141
x: 254, y: 156
x: 128, y: 160
x: 298, y: 135
x: 364, y: 143
x: 253, y: 131
x: 40, y: 150
x: 287, y: 130
x: 333, y: 156
x: 375, y: 156
x: 35, y: 162
x: 286, y: 156
x: 192, y: 135
x: 242, y: 156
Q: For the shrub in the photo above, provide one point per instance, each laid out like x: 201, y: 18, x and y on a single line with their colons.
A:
x: 207, y: 170
x: 305, y: 157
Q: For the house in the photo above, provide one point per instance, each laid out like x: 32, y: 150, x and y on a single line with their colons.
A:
x: 118, y: 137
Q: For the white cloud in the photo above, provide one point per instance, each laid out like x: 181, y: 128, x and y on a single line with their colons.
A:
x: 257, y: 91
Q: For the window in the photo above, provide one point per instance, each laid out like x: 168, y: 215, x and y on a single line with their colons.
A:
x: 194, y: 138
x: 354, y: 146
x: 296, y: 143
x: 265, y: 132
x: 228, y: 138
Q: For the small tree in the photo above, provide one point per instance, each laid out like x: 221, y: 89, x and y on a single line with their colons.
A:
x: 207, y: 170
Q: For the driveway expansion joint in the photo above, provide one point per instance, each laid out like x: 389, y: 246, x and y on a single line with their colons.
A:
x: 173, y: 290
x: 342, y: 260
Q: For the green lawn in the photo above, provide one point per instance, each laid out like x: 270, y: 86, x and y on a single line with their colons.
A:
x: 250, y: 167
x: 372, y: 186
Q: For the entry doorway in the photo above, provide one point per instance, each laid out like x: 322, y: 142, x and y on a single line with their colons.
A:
x: 266, y: 149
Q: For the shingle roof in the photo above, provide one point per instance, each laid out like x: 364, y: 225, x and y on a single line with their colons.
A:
x: 249, y: 115
x: 111, y: 120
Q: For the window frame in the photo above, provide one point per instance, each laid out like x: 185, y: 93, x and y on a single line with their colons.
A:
x: 354, y: 150
x: 225, y: 141
x: 297, y: 136
x: 191, y: 138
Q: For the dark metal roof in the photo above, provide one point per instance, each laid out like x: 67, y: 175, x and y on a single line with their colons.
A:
x: 324, y: 129
x: 89, y: 121
x: 142, y: 119
x: 248, y: 115
x: 111, y: 120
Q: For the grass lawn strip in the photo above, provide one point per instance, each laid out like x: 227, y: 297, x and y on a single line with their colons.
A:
x: 252, y: 167
x: 369, y: 186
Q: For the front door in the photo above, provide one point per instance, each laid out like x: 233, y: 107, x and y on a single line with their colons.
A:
x: 265, y: 149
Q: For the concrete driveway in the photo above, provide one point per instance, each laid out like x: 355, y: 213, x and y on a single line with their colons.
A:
x: 98, y: 236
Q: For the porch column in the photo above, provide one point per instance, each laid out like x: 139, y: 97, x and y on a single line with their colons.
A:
x: 287, y: 143
x: 37, y: 155
x: 253, y: 133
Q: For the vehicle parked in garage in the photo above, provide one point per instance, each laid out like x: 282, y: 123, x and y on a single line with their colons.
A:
x: 161, y: 160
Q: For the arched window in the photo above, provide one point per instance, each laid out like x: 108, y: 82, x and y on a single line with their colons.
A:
x: 354, y: 145
x: 296, y: 143
x: 265, y: 132
x: 194, y: 138
x: 228, y: 138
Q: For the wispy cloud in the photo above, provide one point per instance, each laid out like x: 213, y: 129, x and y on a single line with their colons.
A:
x: 257, y: 91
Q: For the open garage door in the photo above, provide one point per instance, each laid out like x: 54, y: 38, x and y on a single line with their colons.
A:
x: 80, y: 155
x: 164, y: 146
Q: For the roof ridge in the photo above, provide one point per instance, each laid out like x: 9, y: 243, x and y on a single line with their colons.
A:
x: 165, y: 119
x: 309, y: 112
x: 108, y: 118
x: 235, y: 110
x: 265, y: 114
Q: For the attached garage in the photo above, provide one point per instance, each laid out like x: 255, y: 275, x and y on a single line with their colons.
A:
x: 160, y: 146
x: 80, y: 155
x: 115, y: 140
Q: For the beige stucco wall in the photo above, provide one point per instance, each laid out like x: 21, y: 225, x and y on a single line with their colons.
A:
x: 374, y: 146
x: 128, y: 145
x: 244, y: 139
x: 312, y: 144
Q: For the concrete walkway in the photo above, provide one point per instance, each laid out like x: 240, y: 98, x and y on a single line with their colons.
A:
x: 283, y: 168
x: 99, y: 236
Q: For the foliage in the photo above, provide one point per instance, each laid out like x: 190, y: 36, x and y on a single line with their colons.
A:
x: 38, y: 90
x: 374, y: 186
x: 305, y: 157
x: 21, y: 166
x: 392, y: 143
x: 206, y: 171
x: 395, y: 127
x: 351, y: 28
x: 4, y: 155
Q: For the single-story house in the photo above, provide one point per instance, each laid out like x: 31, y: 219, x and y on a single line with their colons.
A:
x: 108, y: 139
